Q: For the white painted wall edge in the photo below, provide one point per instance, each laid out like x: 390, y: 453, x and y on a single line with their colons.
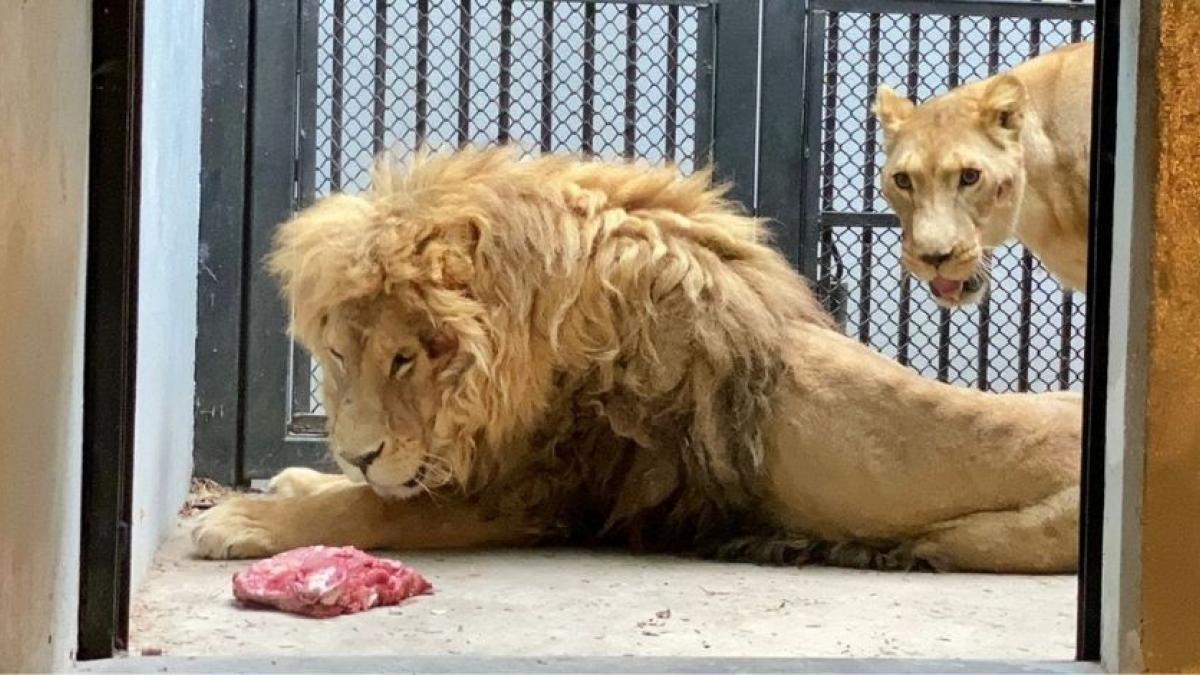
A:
x: 1120, y: 641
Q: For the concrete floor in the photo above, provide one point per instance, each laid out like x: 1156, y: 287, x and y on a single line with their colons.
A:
x: 535, y: 603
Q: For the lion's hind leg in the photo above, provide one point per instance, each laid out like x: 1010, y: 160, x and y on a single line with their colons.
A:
x: 1042, y: 538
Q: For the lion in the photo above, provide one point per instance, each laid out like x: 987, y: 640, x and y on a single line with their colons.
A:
x: 1008, y: 156
x: 556, y: 351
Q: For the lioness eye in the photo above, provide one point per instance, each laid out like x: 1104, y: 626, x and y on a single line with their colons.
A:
x: 399, y: 361
x: 903, y: 181
x: 968, y: 177
x: 336, y: 354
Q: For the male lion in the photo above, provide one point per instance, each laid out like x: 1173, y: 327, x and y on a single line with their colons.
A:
x: 1005, y: 156
x: 561, y: 351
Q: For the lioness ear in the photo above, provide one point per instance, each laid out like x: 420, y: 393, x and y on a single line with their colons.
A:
x: 1002, y: 106
x: 892, y: 109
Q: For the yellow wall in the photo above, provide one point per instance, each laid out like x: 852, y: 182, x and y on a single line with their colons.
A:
x: 1171, y: 492
x: 44, y: 78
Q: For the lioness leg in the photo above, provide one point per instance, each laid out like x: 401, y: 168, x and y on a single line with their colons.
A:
x: 341, y: 513
x: 1039, y: 538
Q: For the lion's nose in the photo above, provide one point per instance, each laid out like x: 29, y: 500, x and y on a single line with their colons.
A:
x: 363, y: 461
x: 935, y: 259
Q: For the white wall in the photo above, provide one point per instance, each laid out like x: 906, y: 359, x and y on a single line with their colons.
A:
x: 45, y: 54
x: 173, y: 45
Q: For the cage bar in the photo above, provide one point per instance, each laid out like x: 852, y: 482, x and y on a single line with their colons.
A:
x: 504, y: 121
x: 867, y: 241
x: 464, y: 72
x: 379, y: 81
x: 672, y: 102
x: 631, y: 73
x: 337, y: 93
x: 421, y: 128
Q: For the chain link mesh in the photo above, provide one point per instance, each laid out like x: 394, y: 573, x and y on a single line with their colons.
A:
x: 1029, y: 336
x: 621, y: 79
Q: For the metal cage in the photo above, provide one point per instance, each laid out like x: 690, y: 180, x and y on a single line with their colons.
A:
x: 775, y: 93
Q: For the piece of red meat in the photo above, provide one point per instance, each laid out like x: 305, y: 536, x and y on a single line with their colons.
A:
x: 324, y: 581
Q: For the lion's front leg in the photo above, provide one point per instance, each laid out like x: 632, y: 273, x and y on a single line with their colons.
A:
x: 298, y: 480
x: 342, y: 513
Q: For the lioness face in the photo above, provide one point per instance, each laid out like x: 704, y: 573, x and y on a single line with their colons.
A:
x: 954, y: 176
x: 381, y: 391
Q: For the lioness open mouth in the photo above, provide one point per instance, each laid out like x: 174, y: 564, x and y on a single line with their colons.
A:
x: 953, y: 290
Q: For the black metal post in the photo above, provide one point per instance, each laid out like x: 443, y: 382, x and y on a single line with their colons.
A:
x: 219, y: 286
x: 422, y: 88
x: 504, y: 121
x: 547, y: 101
x: 631, y: 75
x: 735, y: 98
x: 672, y: 102
x: 867, y: 241
x: 464, y: 72
x: 1095, y: 364
x: 379, y: 81
x: 782, y: 167
x: 110, y: 326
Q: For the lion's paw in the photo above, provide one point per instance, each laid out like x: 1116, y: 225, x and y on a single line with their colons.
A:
x: 234, y: 529
x: 298, y: 481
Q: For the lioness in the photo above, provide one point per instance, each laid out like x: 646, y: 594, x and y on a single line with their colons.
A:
x: 973, y: 167
x: 562, y: 351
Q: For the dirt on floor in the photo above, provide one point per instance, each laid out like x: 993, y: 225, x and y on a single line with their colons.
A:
x: 550, y: 602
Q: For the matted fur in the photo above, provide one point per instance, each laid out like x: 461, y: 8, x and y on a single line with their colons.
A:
x: 553, y: 349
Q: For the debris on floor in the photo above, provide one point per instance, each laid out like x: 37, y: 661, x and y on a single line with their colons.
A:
x: 326, y: 581
x: 203, y: 495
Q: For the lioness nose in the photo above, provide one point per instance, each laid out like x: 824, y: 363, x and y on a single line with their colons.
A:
x: 936, y: 259
x: 363, y: 461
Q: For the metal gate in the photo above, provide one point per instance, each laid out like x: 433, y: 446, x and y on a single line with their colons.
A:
x: 776, y: 93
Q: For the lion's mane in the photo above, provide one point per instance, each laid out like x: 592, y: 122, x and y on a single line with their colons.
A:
x: 620, y: 332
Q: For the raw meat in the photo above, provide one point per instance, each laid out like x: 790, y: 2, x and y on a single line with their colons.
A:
x: 324, y: 581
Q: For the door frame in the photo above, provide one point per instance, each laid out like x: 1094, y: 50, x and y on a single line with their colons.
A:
x: 111, y: 329
x: 110, y: 326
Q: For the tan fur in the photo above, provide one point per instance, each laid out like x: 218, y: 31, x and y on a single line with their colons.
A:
x: 1028, y: 133
x: 610, y: 353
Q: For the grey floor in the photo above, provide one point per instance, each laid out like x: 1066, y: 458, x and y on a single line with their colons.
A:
x: 554, y: 603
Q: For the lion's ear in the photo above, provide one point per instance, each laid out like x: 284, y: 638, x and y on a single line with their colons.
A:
x: 1002, y: 106
x: 892, y: 109
x: 450, y: 255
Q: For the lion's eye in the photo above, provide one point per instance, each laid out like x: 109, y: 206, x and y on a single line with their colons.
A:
x: 968, y: 177
x: 400, y: 362
x: 903, y: 181
x: 338, y: 359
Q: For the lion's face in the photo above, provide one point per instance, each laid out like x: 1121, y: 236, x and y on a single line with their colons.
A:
x: 955, y: 176
x: 381, y: 394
